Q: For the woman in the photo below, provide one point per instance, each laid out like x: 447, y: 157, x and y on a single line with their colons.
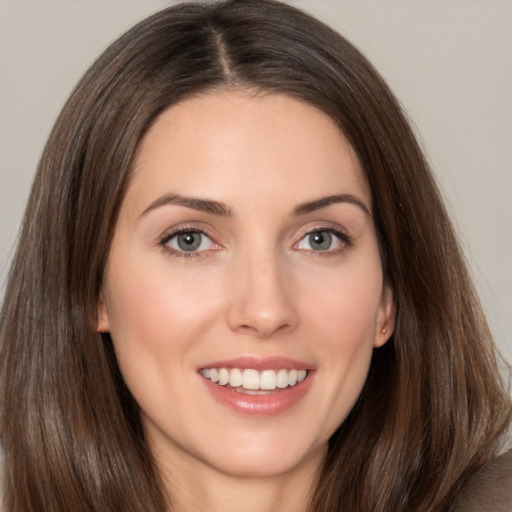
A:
x: 228, y: 292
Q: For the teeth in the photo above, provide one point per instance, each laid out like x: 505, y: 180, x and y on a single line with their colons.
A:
x: 235, y: 378
x: 268, y: 379
x: 253, y: 380
x: 223, y: 376
x: 214, y: 375
x: 250, y: 379
x: 282, y: 379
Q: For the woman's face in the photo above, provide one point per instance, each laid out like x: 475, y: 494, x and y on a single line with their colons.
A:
x: 245, y: 258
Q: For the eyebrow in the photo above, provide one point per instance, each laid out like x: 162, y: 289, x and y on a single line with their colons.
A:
x: 195, y: 203
x: 323, y: 202
x: 223, y: 210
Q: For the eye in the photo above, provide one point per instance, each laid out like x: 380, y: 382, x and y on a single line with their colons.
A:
x: 323, y: 240
x: 189, y: 241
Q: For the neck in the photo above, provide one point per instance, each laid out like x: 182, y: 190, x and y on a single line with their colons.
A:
x: 199, y: 488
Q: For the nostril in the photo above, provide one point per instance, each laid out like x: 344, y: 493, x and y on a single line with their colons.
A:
x: 263, y: 330
x: 261, y: 304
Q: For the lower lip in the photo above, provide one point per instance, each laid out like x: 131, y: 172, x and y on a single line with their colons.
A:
x: 259, y: 405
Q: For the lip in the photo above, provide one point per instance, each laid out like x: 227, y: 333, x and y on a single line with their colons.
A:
x: 260, y: 363
x: 271, y: 404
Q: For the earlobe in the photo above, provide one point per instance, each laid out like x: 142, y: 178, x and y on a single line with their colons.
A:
x: 385, y: 318
x: 102, y: 324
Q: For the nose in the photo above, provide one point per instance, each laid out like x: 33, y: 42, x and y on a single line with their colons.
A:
x: 262, y: 299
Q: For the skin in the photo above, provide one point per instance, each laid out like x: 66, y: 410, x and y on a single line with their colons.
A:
x: 256, y: 286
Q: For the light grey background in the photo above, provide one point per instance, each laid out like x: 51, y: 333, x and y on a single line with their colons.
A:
x: 449, y: 61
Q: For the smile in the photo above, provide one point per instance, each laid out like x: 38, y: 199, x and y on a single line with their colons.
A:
x: 252, y: 381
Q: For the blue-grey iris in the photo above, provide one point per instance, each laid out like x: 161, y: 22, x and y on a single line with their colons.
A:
x: 320, y: 241
x: 189, y: 241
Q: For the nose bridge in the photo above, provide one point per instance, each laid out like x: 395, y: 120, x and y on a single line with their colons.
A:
x: 261, y: 303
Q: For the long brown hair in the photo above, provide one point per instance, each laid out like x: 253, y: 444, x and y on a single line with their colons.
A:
x: 433, y: 408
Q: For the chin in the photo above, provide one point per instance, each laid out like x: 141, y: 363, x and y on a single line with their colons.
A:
x: 261, y: 459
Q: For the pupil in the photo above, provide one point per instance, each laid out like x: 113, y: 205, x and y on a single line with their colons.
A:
x: 320, y: 241
x: 189, y: 241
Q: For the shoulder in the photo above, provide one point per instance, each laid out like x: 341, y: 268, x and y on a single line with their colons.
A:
x: 490, y: 489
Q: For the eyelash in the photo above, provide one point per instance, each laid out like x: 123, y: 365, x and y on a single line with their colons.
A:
x: 164, y: 240
x: 344, y: 238
x: 167, y: 237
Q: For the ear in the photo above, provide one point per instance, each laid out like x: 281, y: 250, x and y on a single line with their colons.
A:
x: 103, y: 324
x: 386, y: 317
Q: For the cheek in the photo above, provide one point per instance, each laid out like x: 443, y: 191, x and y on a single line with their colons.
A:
x: 156, y: 316
x: 342, y: 316
x: 152, y: 306
x: 342, y: 326
x: 345, y: 303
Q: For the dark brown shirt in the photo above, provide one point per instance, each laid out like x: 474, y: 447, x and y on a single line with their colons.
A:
x: 490, y: 489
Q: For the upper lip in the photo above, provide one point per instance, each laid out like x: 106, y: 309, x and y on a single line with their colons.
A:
x: 259, y: 363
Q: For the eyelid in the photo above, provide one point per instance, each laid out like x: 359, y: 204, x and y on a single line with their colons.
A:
x: 334, y: 229
x: 169, y: 234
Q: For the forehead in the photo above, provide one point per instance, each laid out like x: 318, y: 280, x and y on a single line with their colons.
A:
x: 237, y: 144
